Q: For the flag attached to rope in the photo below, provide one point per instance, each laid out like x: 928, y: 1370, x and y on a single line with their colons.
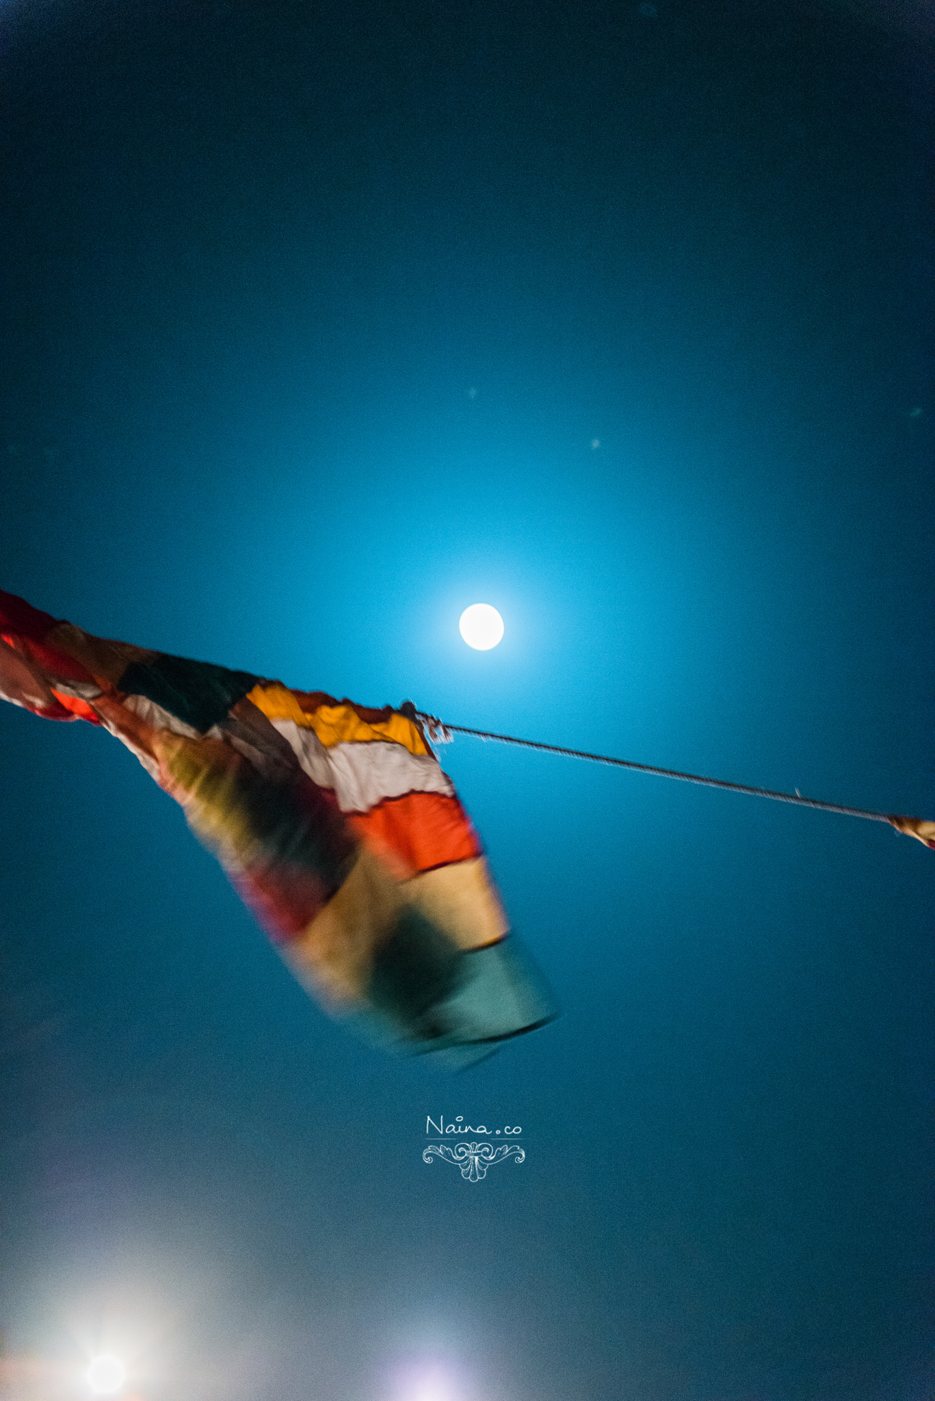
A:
x: 334, y: 822
x: 917, y: 827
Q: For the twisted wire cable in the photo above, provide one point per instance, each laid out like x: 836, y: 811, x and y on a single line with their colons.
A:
x: 440, y: 732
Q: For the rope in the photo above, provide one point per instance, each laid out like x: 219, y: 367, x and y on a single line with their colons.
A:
x: 439, y: 732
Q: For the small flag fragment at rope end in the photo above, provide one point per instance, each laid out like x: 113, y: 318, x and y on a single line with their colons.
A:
x: 917, y: 827
x: 437, y: 732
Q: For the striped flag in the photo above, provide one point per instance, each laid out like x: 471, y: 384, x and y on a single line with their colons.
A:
x: 334, y: 822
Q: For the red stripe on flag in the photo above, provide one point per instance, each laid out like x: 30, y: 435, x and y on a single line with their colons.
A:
x: 56, y: 664
x: 16, y: 615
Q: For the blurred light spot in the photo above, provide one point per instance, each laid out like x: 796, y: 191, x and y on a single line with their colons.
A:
x: 106, y: 1375
x: 595, y: 443
x: 648, y: 11
x: 433, y: 1389
x: 481, y: 626
x: 432, y: 1379
x: 431, y: 1383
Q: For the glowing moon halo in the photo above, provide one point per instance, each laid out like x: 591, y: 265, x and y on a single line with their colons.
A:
x: 106, y: 1375
x: 481, y: 626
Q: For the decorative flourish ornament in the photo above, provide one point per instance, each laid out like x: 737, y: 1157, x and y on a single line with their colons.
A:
x: 473, y: 1158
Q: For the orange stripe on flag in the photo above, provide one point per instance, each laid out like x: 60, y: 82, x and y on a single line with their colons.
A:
x: 423, y: 830
x: 77, y: 707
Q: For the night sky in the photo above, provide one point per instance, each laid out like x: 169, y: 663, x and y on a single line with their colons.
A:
x: 321, y: 322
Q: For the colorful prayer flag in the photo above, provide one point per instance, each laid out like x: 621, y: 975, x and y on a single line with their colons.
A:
x: 334, y: 822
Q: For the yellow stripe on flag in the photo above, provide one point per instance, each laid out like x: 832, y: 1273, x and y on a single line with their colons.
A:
x: 335, y: 724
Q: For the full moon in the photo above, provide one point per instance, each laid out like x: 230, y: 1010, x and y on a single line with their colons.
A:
x: 481, y: 626
x: 106, y: 1375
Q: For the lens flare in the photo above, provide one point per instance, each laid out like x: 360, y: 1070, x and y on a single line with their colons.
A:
x: 106, y: 1375
x: 426, y: 1382
x: 481, y: 626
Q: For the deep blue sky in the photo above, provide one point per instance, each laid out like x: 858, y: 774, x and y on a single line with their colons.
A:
x: 313, y: 313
